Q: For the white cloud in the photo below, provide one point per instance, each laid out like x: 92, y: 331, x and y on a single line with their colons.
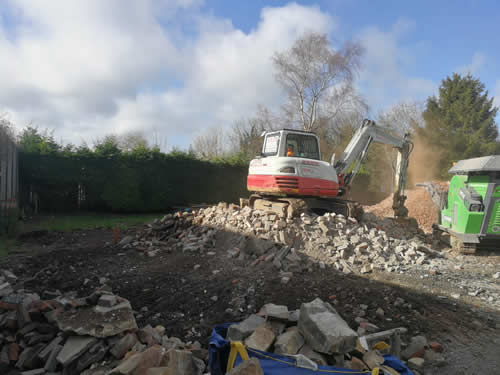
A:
x: 383, y: 79
x: 478, y: 61
x: 88, y: 68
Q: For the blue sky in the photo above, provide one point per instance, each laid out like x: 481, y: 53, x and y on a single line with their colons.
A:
x: 178, y: 68
x: 446, y: 33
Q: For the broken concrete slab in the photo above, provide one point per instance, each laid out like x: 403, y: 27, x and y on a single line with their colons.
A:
x: 181, y: 362
x: 373, y: 359
x: 93, y: 355
x: 120, y: 304
x: 151, y: 357
x: 261, y: 339
x: 107, y: 300
x: 416, y: 364
x: 145, y: 336
x: 44, y: 354
x: 126, y: 343
x: 87, y: 321
x: 289, y: 342
x: 126, y: 240
x: 277, y: 326
x: 324, y: 329
x: 240, y: 331
x: 249, y: 367
x: 270, y: 310
x: 51, y: 363
x: 74, y: 347
x: 29, y: 357
x: 308, y: 352
x: 127, y: 366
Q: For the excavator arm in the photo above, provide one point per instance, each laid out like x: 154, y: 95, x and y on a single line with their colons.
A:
x: 357, y: 149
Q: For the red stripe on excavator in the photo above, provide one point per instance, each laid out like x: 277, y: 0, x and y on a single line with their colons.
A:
x: 292, y: 185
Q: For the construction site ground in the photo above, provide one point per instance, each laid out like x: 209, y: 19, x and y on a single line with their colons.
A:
x: 190, y: 293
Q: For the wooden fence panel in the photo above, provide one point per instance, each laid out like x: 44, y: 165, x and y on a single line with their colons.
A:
x: 8, y: 176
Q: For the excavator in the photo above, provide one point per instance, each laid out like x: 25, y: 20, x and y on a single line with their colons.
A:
x: 289, y: 177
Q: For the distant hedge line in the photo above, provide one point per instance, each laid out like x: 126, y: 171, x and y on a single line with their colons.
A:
x: 124, y: 183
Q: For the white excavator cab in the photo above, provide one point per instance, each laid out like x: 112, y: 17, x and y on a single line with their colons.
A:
x: 291, y: 143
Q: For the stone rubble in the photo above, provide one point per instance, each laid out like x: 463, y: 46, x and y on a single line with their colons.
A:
x: 348, y: 245
x: 321, y: 335
x: 93, y: 335
x: 299, y: 244
x: 98, y: 335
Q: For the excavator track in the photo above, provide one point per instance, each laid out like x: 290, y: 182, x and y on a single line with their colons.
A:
x: 293, y: 207
x: 461, y: 247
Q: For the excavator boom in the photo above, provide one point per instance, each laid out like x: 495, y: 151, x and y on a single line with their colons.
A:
x: 356, y: 151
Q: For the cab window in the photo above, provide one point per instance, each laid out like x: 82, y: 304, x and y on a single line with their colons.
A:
x: 302, y: 146
x: 271, y: 144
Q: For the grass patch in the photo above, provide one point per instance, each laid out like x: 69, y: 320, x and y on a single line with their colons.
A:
x: 68, y: 223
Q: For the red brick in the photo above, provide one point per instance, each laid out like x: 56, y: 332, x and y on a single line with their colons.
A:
x: 8, y: 306
x: 42, y: 306
x: 436, y: 347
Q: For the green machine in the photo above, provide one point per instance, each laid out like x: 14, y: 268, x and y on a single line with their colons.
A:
x: 470, y: 209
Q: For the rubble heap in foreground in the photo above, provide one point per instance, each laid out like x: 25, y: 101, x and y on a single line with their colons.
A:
x: 92, y: 335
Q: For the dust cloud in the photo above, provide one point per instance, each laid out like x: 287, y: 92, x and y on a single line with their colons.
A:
x: 424, y: 162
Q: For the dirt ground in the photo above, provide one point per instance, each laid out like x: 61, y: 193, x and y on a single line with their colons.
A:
x: 189, y: 294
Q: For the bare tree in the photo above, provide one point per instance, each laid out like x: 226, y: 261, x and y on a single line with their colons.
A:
x: 317, y: 79
x: 210, y: 144
x: 403, y: 117
x: 245, y: 135
x: 159, y: 141
x: 132, y: 140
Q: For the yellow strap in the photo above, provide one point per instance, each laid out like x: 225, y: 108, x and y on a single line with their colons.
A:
x: 376, y: 371
x: 237, y: 347
x: 381, y: 345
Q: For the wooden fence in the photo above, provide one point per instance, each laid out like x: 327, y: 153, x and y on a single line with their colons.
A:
x: 9, y: 178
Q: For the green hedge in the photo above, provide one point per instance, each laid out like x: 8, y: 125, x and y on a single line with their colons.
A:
x: 125, y: 183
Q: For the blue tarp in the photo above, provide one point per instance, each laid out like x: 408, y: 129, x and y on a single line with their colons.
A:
x: 274, y: 364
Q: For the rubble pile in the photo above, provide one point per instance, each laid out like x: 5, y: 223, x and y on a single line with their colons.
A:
x: 419, y: 205
x: 290, y: 243
x: 317, y: 335
x: 93, y: 335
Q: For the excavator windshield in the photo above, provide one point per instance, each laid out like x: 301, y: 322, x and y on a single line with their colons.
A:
x: 302, y: 146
